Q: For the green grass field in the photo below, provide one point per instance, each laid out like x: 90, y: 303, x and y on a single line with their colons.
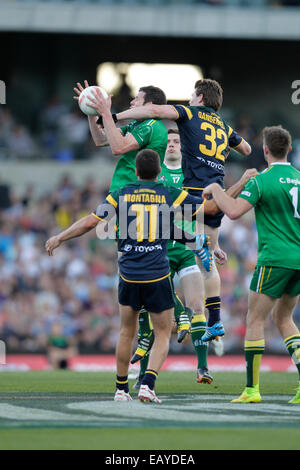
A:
x: 75, y: 410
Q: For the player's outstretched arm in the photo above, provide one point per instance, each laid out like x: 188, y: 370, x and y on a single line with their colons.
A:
x: 75, y: 230
x: 243, y: 148
x: 233, y: 208
x: 159, y: 111
x: 98, y: 134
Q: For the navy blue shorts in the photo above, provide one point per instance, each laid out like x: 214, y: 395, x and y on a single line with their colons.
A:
x: 213, y: 221
x: 153, y: 296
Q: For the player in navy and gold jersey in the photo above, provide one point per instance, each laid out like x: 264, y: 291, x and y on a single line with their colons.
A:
x: 205, y: 141
x: 145, y: 212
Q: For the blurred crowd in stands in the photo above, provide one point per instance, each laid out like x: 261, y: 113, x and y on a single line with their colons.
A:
x: 70, y: 299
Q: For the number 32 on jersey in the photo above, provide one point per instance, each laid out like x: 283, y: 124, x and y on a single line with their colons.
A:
x: 217, y: 139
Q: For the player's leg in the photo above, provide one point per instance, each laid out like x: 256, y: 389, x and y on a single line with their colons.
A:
x: 158, y: 299
x: 193, y: 291
x: 145, y: 336
x: 177, y: 254
x: 212, y: 286
x: 162, y: 324
x: 128, y: 324
x: 259, y: 307
x: 282, y: 315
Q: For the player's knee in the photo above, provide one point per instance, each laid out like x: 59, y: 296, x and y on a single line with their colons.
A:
x: 197, y: 305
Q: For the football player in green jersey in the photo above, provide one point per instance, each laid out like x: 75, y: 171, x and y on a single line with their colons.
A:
x: 275, y: 285
x: 128, y: 140
x: 183, y: 262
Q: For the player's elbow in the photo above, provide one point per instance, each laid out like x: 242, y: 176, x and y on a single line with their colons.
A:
x: 248, y: 150
x: 233, y: 214
x: 90, y: 222
x: 154, y: 110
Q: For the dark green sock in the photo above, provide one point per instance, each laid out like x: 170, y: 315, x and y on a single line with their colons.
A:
x: 179, y: 308
x: 145, y: 327
x: 292, y: 344
x: 253, y: 354
x: 197, y: 331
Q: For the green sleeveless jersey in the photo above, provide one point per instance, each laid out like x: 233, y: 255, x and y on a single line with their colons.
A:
x: 149, y: 134
x: 275, y: 194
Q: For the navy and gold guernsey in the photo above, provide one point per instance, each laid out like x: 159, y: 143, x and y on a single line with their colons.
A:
x: 145, y: 212
x: 205, y: 140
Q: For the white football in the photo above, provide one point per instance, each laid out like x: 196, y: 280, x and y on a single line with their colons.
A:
x: 83, y: 100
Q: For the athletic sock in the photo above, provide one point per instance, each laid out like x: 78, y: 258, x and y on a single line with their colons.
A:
x: 253, y: 354
x: 179, y: 308
x: 213, y: 305
x: 292, y: 344
x: 197, y: 331
x: 145, y: 325
x: 150, y: 378
x: 143, y: 365
x: 122, y: 383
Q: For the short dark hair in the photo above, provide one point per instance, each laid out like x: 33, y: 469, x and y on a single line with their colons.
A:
x: 212, y: 93
x: 148, y: 164
x: 278, y: 141
x: 173, y: 131
x: 153, y: 94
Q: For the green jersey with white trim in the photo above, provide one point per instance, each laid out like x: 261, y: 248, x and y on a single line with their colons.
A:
x: 171, y: 176
x: 150, y: 134
x: 174, y: 177
x: 275, y: 194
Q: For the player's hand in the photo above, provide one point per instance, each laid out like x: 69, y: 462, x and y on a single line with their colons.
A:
x: 248, y: 174
x: 99, y: 103
x: 80, y: 88
x: 208, y: 190
x: 51, y: 244
x: 220, y: 256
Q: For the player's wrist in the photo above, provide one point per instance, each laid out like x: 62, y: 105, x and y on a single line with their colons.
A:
x: 100, y: 118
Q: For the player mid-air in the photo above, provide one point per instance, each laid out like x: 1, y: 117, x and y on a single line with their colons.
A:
x: 205, y: 143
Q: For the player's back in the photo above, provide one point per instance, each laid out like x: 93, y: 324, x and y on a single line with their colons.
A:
x: 277, y: 213
x: 205, y: 139
x: 145, y: 212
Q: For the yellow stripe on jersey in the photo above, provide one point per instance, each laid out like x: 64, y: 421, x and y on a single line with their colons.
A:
x: 111, y: 200
x: 145, y: 282
x: 190, y: 187
x: 99, y: 218
x: 230, y: 131
x: 238, y: 144
x: 180, y: 199
x: 196, y: 212
x: 175, y: 110
x: 188, y: 112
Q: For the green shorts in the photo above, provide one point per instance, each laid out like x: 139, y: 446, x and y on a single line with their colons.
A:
x: 182, y: 260
x: 274, y: 281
